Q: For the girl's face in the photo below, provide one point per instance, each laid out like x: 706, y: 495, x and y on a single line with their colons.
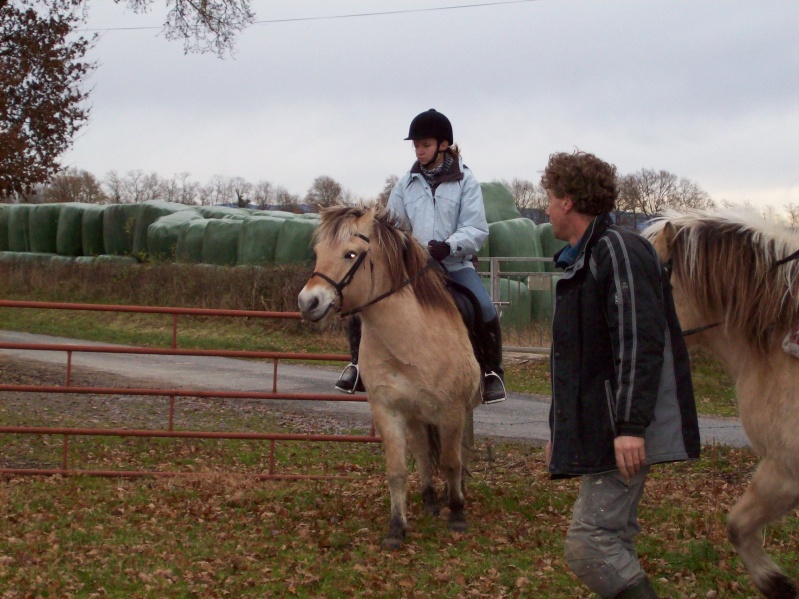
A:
x: 426, y: 150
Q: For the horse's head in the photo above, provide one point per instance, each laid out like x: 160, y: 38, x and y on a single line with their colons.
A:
x: 343, y: 243
x: 663, y: 235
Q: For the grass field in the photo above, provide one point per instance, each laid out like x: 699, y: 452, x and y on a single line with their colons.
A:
x: 218, y: 532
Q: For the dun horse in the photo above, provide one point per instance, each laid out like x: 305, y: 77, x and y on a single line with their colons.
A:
x: 738, y: 296
x: 416, y: 359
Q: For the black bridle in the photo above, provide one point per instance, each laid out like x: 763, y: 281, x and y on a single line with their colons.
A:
x: 347, y: 279
x: 668, y: 266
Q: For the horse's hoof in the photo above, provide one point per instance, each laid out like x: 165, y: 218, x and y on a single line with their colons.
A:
x: 391, y: 544
x: 432, y: 509
x: 430, y: 502
x: 457, y: 524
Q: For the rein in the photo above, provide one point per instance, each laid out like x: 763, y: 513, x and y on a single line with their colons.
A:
x: 694, y: 331
x: 347, y: 279
x: 383, y: 296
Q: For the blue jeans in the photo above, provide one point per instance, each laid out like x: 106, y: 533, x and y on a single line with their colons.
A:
x: 469, y: 278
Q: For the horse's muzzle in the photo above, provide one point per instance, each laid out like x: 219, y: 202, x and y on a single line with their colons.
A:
x: 314, y: 304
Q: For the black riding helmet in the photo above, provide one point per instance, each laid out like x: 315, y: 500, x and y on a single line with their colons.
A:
x: 431, y: 123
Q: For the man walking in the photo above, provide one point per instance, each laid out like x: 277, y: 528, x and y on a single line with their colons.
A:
x: 622, y: 397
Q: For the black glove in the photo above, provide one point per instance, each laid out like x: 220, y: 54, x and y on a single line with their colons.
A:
x: 438, y: 249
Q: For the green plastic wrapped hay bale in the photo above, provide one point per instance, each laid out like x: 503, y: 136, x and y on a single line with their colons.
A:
x: 119, y: 225
x: 69, y: 237
x: 163, y: 234
x: 91, y: 230
x: 19, y: 239
x: 5, y: 213
x: 274, y: 213
x: 258, y: 240
x: 7, y: 256
x: 43, y: 222
x: 295, y: 243
x: 42, y: 258
x: 516, y: 238
x: 499, y: 203
x: 549, y: 245
x: 223, y: 212
x: 483, y: 265
x: 517, y: 310
x: 150, y: 212
x: 112, y: 259
x: 221, y: 242
x: 190, y: 241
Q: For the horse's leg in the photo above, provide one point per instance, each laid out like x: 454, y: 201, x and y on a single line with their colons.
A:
x: 392, y: 430
x: 451, y: 468
x: 771, y: 494
x: 419, y: 443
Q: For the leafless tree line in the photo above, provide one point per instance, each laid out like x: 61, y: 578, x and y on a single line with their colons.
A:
x: 74, y: 185
x: 643, y: 195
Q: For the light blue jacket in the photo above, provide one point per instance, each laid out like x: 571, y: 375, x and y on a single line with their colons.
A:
x: 456, y: 214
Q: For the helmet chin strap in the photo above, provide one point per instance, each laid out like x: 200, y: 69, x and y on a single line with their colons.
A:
x: 433, y: 160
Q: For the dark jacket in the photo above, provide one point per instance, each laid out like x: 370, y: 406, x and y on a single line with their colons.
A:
x: 619, y: 362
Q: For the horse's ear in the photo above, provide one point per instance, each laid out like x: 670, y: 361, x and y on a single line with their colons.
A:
x: 669, y: 235
x: 663, y: 242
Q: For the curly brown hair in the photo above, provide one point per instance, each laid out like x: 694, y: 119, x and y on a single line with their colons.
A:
x: 589, y: 181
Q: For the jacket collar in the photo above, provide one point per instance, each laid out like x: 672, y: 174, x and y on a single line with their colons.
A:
x: 455, y: 172
x: 574, y: 256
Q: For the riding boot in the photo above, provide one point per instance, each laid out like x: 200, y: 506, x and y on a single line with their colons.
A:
x: 493, y: 373
x: 640, y: 590
x: 350, y: 380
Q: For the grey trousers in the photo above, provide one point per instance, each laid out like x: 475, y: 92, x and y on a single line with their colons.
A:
x: 599, y: 546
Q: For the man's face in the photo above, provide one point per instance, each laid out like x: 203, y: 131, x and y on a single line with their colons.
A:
x: 557, y: 215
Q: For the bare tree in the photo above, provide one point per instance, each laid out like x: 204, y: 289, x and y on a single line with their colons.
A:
x: 382, y: 197
x: 285, y: 200
x: 526, y: 194
x: 262, y: 194
x: 73, y: 185
x: 324, y: 191
x: 115, y: 187
x: 792, y: 211
x: 204, y: 26
x: 649, y: 193
x: 42, y: 103
x: 241, y: 191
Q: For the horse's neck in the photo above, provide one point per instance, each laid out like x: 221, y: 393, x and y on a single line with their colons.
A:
x: 399, y: 323
x: 732, y: 350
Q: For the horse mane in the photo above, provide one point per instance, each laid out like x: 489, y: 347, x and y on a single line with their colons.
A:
x: 727, y: 263
x: 405, y: 257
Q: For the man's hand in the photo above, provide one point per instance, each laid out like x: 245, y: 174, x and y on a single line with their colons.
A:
x: 438, y: 249
x: 630, y: 455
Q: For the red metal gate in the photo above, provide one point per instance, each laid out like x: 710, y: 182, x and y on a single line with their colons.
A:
x: 172, y: 394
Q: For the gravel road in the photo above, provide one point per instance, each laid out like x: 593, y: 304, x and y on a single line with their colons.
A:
x: 523, y: 417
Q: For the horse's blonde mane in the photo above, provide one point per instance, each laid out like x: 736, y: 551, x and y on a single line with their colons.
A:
x: 405, y: 257
x: 726, y: 261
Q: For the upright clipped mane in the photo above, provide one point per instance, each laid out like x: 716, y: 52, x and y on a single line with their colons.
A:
x: 404, y: 256
x: 727, y: 262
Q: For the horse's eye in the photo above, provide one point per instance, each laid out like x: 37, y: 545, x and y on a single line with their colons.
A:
x: 350, y: 255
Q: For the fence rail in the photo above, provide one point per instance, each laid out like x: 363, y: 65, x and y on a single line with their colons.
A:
x: 172, y: 393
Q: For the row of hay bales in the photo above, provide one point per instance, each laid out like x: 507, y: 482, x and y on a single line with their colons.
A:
x: 239, y: 237
x: 156, y: 231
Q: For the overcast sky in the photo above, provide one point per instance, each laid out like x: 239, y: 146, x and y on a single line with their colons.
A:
x: 705, y: 89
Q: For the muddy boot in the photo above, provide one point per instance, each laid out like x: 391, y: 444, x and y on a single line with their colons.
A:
x: 493, y: 375
x: 640, y: 590
x: 350, y: 380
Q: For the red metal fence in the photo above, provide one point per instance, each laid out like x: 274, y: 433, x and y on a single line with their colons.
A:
x: 172, y: 394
